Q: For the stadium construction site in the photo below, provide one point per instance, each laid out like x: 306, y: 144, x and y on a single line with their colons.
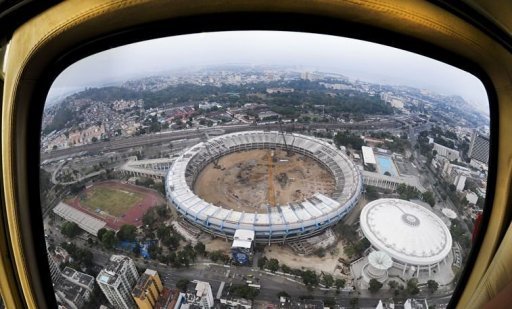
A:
x: 283, y: 186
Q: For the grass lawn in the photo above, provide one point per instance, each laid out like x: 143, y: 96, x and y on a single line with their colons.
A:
x: 114, y: 201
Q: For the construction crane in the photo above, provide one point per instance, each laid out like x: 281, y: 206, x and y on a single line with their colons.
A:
x: 288, y: 151
x: 271, y: 189
x: 205, y: 139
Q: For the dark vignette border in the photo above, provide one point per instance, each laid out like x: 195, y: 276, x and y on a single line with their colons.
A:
x: 225, y: 22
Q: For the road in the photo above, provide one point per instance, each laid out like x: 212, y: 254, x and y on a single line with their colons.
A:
x: 120, y: 143
x: 271, y: 284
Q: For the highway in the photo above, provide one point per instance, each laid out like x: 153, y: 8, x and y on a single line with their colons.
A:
x: 120, y: 143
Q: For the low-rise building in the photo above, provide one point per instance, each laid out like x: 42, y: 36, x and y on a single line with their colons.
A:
x: 450, y: 154
x: 472, y: 198
x: 201, y: 297
x: 84, y: 280
x: 72, y: 288
x: 71, y: 295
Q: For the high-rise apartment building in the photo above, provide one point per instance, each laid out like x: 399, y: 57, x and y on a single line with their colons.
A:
x: 147, y: 290
x: 116, y: 281
x: 479, y: 148
x: 54, y: 269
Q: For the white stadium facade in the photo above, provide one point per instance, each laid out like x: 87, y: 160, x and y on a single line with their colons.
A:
x: 414, y: 237
x: 282, y: 222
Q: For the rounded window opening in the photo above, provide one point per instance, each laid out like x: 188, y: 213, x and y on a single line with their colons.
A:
x: 296, y: 153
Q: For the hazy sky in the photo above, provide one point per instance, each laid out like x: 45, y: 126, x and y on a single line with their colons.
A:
x: 353, y: 58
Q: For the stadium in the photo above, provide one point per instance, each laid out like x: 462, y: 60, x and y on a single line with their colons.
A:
x: 300, y: 207
x: 414, y: 237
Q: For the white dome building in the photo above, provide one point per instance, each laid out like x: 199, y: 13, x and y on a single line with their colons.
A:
x: 414, y: 237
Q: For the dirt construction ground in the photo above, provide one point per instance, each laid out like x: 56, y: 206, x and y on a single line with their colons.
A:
x: 241, y: 182
x: 326, y: 264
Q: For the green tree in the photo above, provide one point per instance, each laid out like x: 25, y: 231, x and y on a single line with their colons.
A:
x: 375, y: 285
x: 393, y: 284
x: 182, y: 284
x: 154, y: 250
x: 200, y: 248
x: 407, y: 192
x: 429, y: 198
x: 272, y: 265
x: 432, y: 285
x: 328, y: 280
x: 285, y: 268
x: 310, y: 278
x: 162, y: 211
x: 320, y: 252
x: 70, y: 229
x: 244, y: 291
x: 283, y: 294
x: 189, y: 251
x: 412, y: 286
x: 262, y: 261
x: 101, y: 232
x: 183, y: 258
x: 339, y: 283
x: 127, y: 232
x: 149, y: 217
x: 329, y: 302
x: 163, y: 232
x: 371, y: 193
x: 109, y: 239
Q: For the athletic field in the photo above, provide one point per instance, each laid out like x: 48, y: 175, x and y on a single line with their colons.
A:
x: 116, y: 202
x: 111, y: 200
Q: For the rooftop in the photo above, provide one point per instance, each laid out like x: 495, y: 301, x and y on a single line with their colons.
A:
x: 70, y: 290
x: 85, y: 221
x: 110, y: 273
x: 368, y: 156
x: 406, y: 231
x: 243, y: 238
x: 140, y: 288
x: 77, y: 276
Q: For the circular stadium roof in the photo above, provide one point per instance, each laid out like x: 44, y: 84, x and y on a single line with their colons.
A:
x: 406, y: 231
x: 312, y: 214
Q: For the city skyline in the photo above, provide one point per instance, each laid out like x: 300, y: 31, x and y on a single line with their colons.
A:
x: 309, y: 52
